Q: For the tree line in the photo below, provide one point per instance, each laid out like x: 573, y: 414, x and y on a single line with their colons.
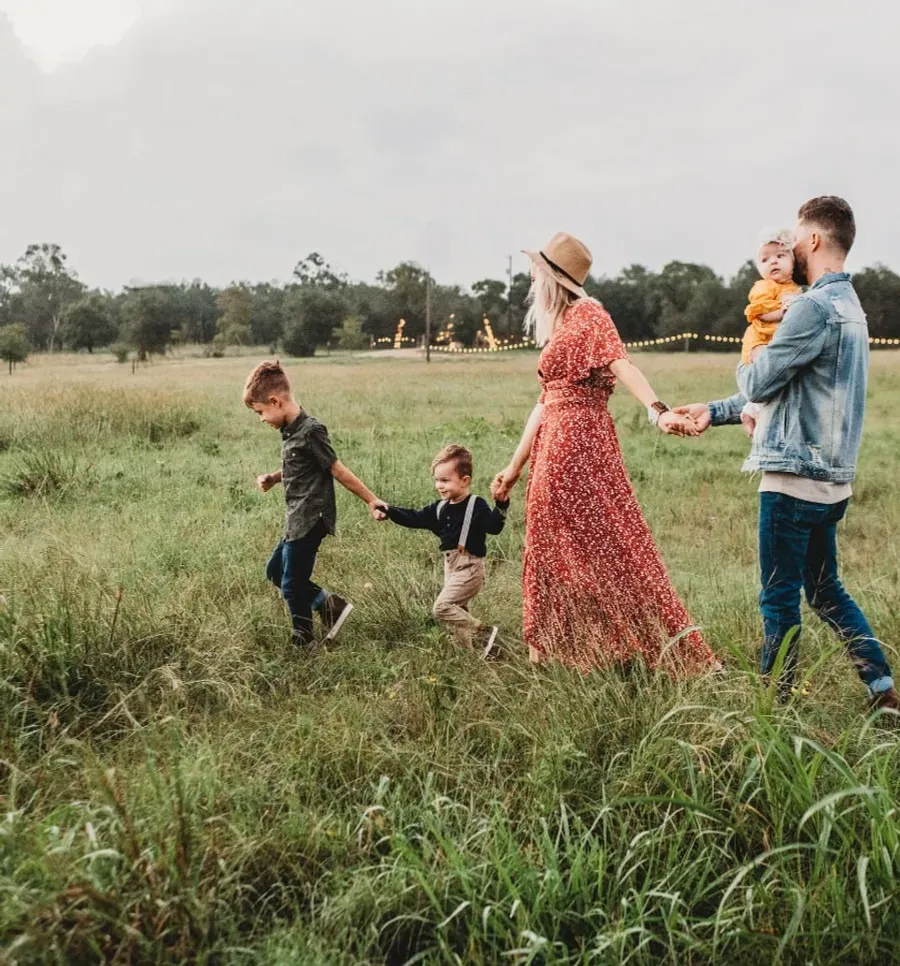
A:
x: 44, y: 306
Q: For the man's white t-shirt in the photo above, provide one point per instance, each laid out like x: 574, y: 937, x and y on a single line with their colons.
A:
x: 801, y: 488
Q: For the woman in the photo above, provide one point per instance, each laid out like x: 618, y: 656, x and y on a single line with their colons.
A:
x: 595, y: 590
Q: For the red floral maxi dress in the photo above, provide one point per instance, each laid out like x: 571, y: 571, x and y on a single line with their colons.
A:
x: 596, y: 592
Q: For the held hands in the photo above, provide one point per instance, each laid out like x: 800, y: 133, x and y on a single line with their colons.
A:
x: 378, y: 510
x: 678, y: 424
x: 698, y: 413
x: 503, y: 482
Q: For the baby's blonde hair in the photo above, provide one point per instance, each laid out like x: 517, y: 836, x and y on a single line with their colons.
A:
x: 783, y: 237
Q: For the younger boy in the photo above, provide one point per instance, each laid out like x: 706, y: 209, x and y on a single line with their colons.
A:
x: 462, y: 521
x: 768, y: 301
x: 309, y: 467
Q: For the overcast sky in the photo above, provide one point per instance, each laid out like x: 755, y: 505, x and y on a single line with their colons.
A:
x: 225, y: 139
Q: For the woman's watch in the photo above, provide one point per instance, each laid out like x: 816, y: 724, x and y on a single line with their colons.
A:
x: 655, y: 410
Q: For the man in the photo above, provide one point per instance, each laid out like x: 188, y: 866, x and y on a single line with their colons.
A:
x: 811, y: 380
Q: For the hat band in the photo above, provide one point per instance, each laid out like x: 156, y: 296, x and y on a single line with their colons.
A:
x: 562, y: 271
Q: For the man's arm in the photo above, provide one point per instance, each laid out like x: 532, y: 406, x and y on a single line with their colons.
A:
x: 727, y: 412
x: 721, y: 412
x: 798, y: 340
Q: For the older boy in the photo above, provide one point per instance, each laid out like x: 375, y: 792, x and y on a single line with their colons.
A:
x: 309, y: 467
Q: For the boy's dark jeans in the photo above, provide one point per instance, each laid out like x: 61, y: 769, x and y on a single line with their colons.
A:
x: 290, y: 568
x: 798, y: 548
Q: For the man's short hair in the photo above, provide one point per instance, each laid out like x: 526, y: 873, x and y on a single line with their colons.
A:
x: 456, y: 454
x: 268, y: 379
x: 834, y: 217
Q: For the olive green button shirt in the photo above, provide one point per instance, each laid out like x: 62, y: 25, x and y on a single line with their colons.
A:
x: 306, y: 460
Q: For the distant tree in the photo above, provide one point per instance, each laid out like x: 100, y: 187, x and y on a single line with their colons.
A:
x: 148, y: 319
x: 879, y: 291
x: 297, y: 340
x: 467, y: 313
x: 7, y: 293
x: 349, y: 335
x: 518, y: 296
x: 493, y: 303
x: 194, y: 310
x: 13, y: 345
x: 311, y: 316
x: 683, y: 291
x: 731, y: 320
x: 43, y: 285
x: 236, y: 306
x: 405, y: 288
x: 314, y: 270
x: 375, y: 307
x: 630, y: 300
x: 90, y: 322
x: 267, y: 316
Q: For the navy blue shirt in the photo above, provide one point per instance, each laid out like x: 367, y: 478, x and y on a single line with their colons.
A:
x: 448, y: 526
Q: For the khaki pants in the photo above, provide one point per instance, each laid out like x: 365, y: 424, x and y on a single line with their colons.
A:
x: 463, y: 580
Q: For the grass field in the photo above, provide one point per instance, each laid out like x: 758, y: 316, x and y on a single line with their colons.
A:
x: 178, y: 786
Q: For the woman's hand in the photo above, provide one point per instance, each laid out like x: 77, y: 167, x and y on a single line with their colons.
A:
x: 677, y: 424
x: 503, y: 482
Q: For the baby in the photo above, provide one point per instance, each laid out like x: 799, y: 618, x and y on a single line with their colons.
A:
x: 769, y: 300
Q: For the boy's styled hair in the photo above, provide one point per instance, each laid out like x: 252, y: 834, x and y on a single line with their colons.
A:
x: 458, y: 455
x: 783, y: 237
x: 267, y: 379
x: 834, y: 217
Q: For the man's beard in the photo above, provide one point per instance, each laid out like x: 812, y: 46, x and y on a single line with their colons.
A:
x: 799, y: 275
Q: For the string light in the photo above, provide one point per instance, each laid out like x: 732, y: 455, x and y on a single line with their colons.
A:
x: 507, y: 346
x: 481, y: 350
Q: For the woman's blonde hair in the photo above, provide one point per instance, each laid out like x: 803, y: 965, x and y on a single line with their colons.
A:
x: 547, y: 303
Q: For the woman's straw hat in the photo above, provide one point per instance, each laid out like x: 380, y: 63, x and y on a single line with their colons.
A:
x: 567, y: 259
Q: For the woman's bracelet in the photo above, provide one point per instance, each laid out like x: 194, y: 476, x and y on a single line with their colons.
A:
x: 655, y: 410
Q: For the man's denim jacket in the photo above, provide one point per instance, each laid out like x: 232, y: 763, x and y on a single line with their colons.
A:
x: 812, y: 379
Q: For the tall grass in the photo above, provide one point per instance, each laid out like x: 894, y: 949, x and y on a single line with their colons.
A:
x: 180, y: 787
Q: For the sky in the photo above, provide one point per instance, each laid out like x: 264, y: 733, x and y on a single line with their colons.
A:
x: 225, y: 140
x: 56, y: 32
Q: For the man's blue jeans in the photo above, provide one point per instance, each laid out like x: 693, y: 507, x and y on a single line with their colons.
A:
x: 798, y: 549
x: 290, y: 568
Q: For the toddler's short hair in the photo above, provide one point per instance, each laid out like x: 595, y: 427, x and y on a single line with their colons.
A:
x: 783, y: 237
x: 458, y: 455
x: 267, y: 379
